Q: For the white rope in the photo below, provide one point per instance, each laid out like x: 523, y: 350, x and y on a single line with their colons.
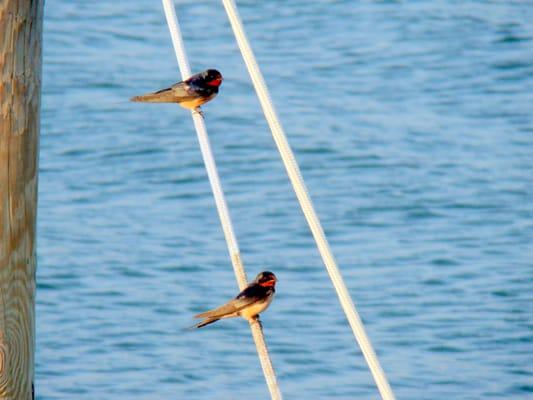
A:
x: 220, y: 201
x: 298, y: 184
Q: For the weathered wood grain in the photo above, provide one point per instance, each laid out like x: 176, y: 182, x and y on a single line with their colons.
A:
x: 20, y: 87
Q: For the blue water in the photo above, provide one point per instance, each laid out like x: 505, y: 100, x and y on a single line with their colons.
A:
x: 412, y: 123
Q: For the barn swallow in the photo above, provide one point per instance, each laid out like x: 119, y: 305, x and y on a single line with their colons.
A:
x: 190, y: 93
x: 255, y: 298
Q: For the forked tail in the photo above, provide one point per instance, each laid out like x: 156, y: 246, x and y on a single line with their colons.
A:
x: 206, y: 322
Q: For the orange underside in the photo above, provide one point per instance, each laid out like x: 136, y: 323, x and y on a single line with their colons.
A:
x: 192, y: 104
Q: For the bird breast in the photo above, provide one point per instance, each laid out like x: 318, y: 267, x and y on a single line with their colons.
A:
x: 192, y: 104
x: 256, y: 308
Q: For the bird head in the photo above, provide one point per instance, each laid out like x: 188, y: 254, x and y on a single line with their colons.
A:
x: 212, y: 77
x: 266, y: 279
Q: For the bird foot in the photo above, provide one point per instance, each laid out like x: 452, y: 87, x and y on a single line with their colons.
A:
x: 257, y: 320
x: 199, y: 111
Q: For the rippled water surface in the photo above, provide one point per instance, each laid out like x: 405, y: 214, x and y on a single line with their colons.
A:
x: 412, y: 123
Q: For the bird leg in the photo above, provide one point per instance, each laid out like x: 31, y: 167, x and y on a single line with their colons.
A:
x: 199, y: 111
x: 256, y: 319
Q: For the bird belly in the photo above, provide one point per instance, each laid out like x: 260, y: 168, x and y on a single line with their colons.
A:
x: 256, y: 308
x: 192, y: 104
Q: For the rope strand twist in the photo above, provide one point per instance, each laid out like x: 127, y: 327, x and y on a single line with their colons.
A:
x: 300, y: 189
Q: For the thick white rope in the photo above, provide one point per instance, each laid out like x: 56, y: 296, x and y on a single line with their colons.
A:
x: 222, y: 208
x: 298, y: 184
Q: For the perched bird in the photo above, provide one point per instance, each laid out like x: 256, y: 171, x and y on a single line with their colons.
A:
x: 190, y: 93
x: 255, y: 298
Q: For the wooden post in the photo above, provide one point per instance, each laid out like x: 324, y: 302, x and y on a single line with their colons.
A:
x: 20, y: 92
